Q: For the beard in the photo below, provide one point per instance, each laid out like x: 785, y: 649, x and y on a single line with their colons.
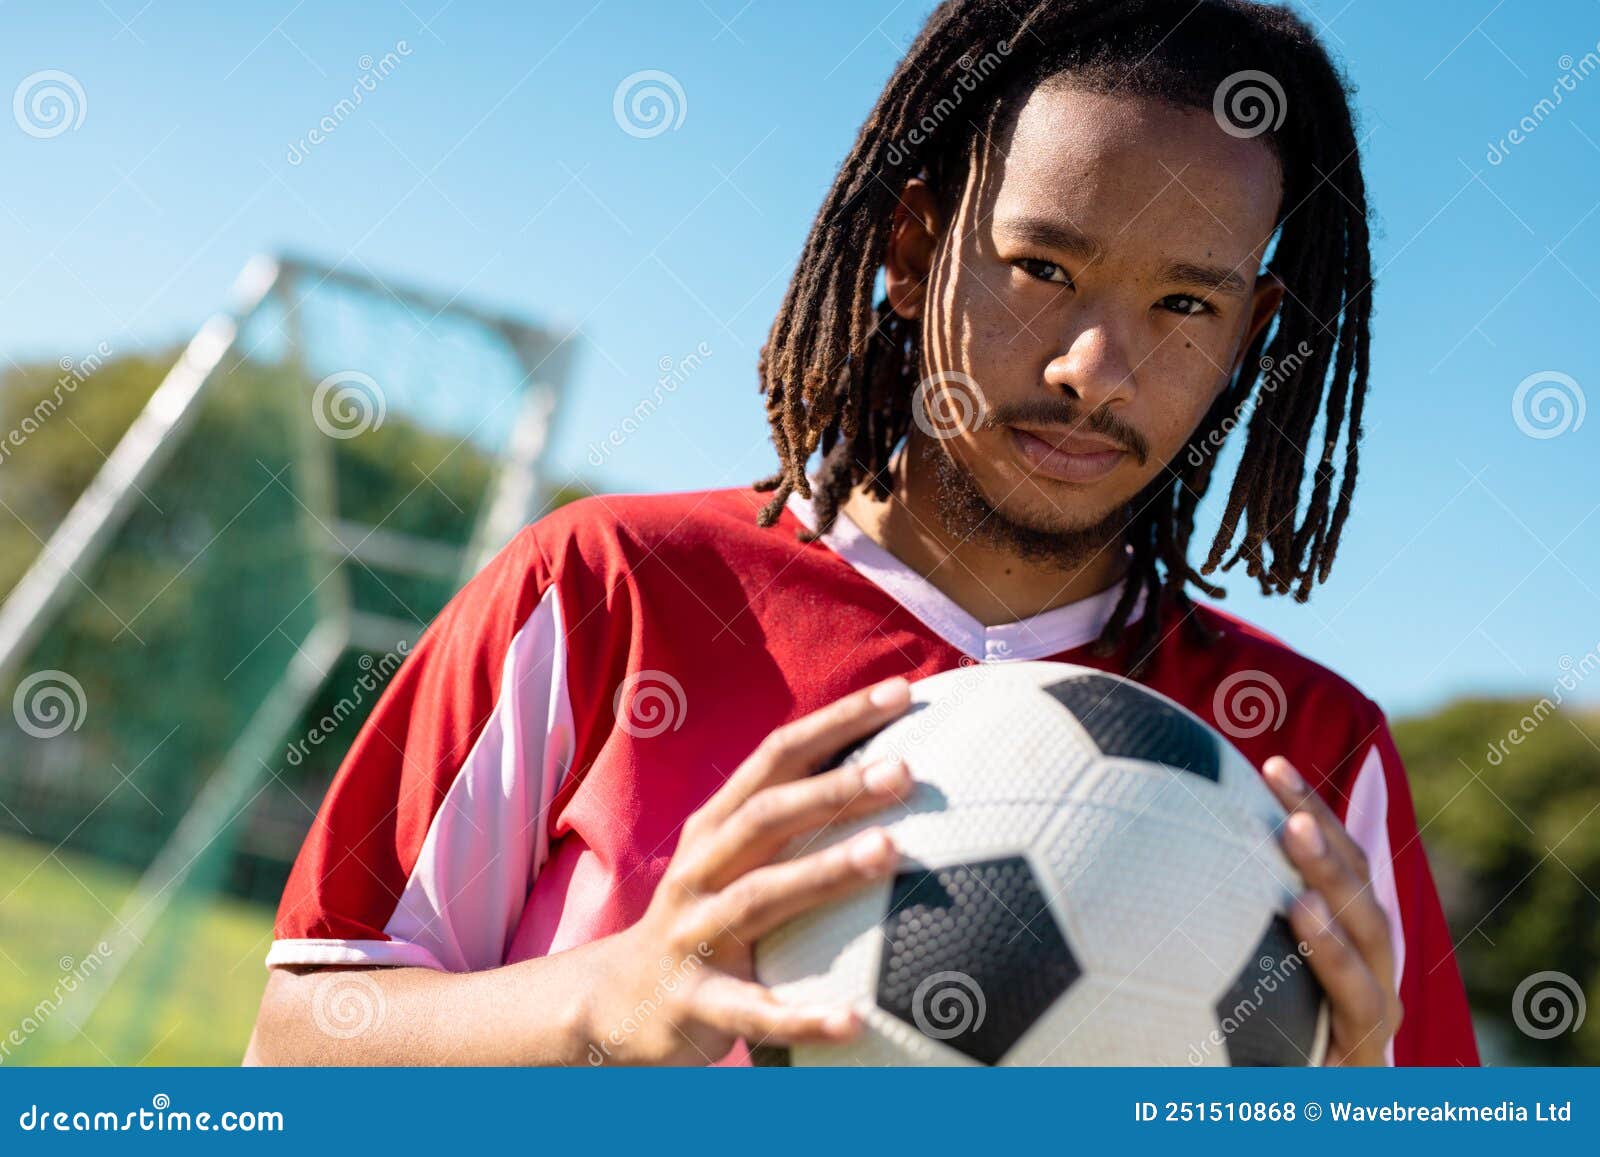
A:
x: 967, y: 514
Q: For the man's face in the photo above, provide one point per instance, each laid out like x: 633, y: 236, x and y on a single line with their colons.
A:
x: 1088, y: 300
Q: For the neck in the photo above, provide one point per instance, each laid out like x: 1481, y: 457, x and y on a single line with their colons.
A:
x: 993, y: 586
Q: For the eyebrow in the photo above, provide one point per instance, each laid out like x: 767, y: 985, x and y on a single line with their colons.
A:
x: 1216, y: 278
x: 1049, y: 234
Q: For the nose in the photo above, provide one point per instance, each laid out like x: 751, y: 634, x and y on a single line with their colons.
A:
x: 1094, y: 367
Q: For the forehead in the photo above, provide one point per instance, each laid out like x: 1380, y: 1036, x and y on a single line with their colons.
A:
x: 1136, y: 172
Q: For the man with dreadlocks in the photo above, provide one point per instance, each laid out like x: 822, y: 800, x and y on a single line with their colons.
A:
x: 1098, y: 254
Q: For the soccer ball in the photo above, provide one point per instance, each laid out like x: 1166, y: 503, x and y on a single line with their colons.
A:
x: 1089, y: 875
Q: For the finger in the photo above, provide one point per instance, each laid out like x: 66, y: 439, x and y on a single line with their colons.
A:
x: 769, y: 820
x: 759, y: 901
x: 1349, y: 895
x: 1355, y: 997
x: 796, y: 749
x: 1295, y: 794
x: 742, y: 1008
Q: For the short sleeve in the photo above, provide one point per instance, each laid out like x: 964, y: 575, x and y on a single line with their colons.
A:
x: 427, y: 842
x: 1379, y: 814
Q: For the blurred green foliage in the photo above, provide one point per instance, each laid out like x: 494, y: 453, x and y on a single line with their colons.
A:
x: 179, y: 630
x: 54, y: 434
x: 1512, y: 830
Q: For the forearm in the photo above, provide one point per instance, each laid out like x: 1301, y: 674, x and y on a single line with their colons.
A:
x: 536, y: 1012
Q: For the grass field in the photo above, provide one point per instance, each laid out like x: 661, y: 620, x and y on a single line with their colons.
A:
x: 188, y: 999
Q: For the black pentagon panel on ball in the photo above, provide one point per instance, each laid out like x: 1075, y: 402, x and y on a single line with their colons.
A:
x: 972, y: 956
x: 1127, y: 721
x: 1268, y: 1017
x: 771, y: 1056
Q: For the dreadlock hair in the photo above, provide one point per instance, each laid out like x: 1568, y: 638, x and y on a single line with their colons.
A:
x: 839, y: 374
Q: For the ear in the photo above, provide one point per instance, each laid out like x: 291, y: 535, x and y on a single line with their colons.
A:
x: 913, y: 239
x: 1263, y: 307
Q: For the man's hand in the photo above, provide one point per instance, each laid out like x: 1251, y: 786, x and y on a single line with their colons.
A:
x: 1340, y: 921
x: 688, y: 962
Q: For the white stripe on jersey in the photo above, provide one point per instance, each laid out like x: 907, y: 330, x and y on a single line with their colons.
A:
x: 467, y: 890
x: 1367, y: 820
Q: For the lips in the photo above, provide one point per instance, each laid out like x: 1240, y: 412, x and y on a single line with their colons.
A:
x: 1075, y: 441
x: 1067, y: 456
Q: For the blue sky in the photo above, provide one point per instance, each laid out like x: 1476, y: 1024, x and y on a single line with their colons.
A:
x: 489, y: 162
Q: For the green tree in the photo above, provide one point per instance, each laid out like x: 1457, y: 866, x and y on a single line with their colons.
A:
x: 1508, y: 799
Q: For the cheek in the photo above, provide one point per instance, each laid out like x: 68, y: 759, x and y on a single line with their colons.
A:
x: 1177, y: 385
x: 986, y: 334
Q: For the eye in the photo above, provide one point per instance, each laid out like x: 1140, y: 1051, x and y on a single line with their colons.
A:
x: 1184, y: 304
x: 1043, y: 270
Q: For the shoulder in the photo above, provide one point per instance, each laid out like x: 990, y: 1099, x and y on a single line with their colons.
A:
x: 1246, y: 650
x: 613, y: 526
x: 1267, y: 697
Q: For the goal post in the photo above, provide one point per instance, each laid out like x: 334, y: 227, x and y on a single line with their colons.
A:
x: 197, y: 641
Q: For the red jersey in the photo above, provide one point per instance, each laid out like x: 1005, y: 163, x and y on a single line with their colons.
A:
x: 521, y: 784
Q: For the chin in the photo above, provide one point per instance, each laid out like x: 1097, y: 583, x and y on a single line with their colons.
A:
x: 991, y: 502
x: 1048, y: 504
x: 1070, y: 515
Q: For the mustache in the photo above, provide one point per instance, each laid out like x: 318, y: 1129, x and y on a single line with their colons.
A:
x: 1064, y: 412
